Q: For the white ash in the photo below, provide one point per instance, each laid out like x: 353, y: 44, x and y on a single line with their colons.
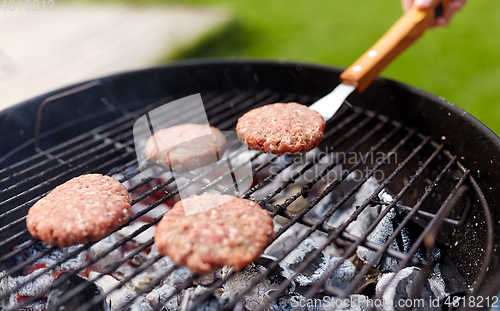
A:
x: 103, y: 247
x: 177, y: 277
x: 140, y: 304
x: 405, y: 237
x: 7, y: 284
x: 435, y: 278
x: 402, y: 286
x: 361, y: 224
x: 138, y: 259
x: 118, y: 298
x: 69, y: 264
x: 285, y: 241
x: 56, y: 255
x: 35, y: 306
x: 158, y: 211
x: 35, y: 287
x: 365, y: 218
x: 143, y: 237
x: 228, y: 297
x: 318, y: 268
x: 208, y: 278
x: 379, y: 236
x: 314, y: 272
x: 213, y: 303
x: 159, y: 295
x: 123, y: 271
x: 260, y: 293
x: 343, y: 274
x: 437, y: 283
x: 368, y: 215
x: 321, y: 208
x: 332, y: 249
x: 141, y: 280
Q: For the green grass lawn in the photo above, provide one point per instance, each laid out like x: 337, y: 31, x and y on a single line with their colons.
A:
x: 460, y: 62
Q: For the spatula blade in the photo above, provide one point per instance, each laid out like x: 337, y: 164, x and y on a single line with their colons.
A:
x: 328, y: 105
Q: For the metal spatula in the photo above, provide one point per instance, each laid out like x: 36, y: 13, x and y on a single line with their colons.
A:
x: 366, y: 68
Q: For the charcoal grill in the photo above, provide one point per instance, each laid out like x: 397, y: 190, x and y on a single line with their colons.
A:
x: 443, y: 181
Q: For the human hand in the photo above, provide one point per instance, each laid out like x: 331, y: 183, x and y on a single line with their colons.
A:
x: 453, y: 7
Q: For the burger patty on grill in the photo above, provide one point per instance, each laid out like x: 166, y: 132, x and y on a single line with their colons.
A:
x: 83, y: 209
x: 186, y: 147
x: 281, y: 128
x: 227, y: 231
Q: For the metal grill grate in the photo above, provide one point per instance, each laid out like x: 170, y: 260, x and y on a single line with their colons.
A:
x: 421, y: 170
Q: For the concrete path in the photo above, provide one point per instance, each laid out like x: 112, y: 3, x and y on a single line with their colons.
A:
x: 42, y: 51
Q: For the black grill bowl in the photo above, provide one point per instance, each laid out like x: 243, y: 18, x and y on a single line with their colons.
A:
x: 31, y: 161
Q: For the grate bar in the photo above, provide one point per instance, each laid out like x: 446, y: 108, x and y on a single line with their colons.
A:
x: 331, y: 166
x: 371, y: 263
x: 223, y: 110
x: 107, y: 153
x: 431, y: 230
x: 141, y: 269
x: 369, y: 134
x: 69, y: 294
x: 345, y: 235
x: 334, y: 234
x: 151, y: 223
x: 113, y: 128
x: 107, y: 126
x: 87, y: 264
x: 269, y: 178
x: 19, y: 249
x: 258, y: 279
x: 382, y: 214
x: 336, y: 181
x: 12, y: 238
x: 26, y: 204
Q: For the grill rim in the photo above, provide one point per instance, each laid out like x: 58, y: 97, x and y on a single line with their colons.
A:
x: 319, y: 90
x: 147, y: 70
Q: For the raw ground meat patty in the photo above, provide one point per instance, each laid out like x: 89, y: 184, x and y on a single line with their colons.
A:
x: 232, y: 234
x: 83, y: 209
x: 185, y: 147
x: 281, y: 128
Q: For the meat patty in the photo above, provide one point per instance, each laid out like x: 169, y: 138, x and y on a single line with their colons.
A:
x: 281, y: 128
x: 185, y: 147
x: 83, y: 209
x: 233, y: 233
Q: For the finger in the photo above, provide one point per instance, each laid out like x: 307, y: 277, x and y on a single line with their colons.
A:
x: 440, y: 22
x: 406, y: 4
x: 451, y: 9
x: 423, y: 4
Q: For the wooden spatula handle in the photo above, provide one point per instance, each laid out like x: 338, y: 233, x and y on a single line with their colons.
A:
x: 400, y: 36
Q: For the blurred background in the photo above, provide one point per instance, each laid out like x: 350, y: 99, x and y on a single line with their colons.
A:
x: 85, y: 39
